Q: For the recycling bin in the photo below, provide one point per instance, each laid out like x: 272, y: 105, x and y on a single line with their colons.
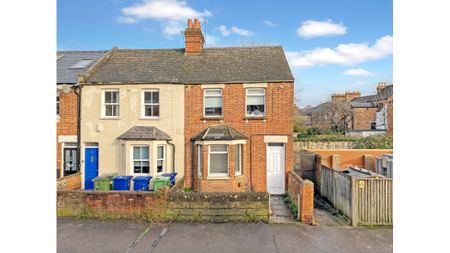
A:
x: 141, y: 183
x: 103, y: 182
x: 160, y: 182
x: 171, y: 175
x: 122, y: 183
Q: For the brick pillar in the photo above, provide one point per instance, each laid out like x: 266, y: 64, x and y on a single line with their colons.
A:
x: 318, y: 174
x: 307, y: 203
x: 336, y: 161
x: 369, y: 162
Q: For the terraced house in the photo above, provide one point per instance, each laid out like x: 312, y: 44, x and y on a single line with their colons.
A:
x: 220, y: 117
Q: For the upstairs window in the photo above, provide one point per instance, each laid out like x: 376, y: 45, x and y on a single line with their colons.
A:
x: 255, y: 102
x: 213, y: 102
x: 141, y: 162
x: 151, y: 104
x: 111, y: 103
x: 160, y: 159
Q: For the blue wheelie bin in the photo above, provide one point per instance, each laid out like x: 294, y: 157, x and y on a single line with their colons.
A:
x: 121, y: 183
x: 172, y: 177
x: 141, y: 183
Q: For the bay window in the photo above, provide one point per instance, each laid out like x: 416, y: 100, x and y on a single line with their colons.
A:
x: 218, y: 160
x: 141, y: 162
x: 160, y: 158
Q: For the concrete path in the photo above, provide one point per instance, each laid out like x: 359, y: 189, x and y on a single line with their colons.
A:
x: 279, y: 211
x: 119, y: 236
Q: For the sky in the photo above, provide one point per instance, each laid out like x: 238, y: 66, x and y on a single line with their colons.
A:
x: 331, y: 45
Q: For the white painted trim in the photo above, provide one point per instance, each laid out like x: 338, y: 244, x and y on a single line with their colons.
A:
x: 255, y: 85
x: 132, y: 160
x: 143, y: 103
x: 199, y: 161
x: 67, y: 138
x: 213, y: 86
x: 102, y: 105
x: 240, y: 147
x: 204, y: 103
x: 218, y: 175
x: 164, y: 158
x: 283, y: 168
x: 276, y: 138
x: 233, y: 142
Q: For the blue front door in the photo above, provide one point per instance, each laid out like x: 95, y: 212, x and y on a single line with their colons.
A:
x: 90, y: 167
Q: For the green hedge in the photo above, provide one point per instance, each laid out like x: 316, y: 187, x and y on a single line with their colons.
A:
x: 327, y: 138
x: 379, y: 141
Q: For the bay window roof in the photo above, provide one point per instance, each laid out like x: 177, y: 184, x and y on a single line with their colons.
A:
x: 144, y: 133
x: 219, y: 133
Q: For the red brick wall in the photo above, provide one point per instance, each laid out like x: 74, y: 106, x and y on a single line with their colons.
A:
x: 349, y: 156
x: 304, y: 188
x: 67, y: 122
x: 363, y: 117
x: 71, y: 182
x: 279, y: 121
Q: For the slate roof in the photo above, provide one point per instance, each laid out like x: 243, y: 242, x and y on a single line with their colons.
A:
x: 384, y: 94
x: 65, y: 59
x: 145, y: 133
x: 219, y: 133
x: 212, y: 65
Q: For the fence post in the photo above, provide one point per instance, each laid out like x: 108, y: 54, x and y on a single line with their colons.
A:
x: 299, y: 205
x: 354, y: 202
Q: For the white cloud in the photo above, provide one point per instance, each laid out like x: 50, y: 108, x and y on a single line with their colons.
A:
x: 224, y: 30
x: 212, y: 41
x: 343, y: 54
x: 241, y: 31
x: 310, y: 29
x: 171, y: 13
x: 357, y: 72
x: 270, y: 23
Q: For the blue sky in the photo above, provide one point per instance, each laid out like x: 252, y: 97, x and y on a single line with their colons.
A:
x: 332, y: 46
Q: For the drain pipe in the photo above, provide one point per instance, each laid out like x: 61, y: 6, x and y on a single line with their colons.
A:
x: 77, y: 91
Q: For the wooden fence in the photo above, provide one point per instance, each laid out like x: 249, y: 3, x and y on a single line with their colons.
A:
x: 366, y: 201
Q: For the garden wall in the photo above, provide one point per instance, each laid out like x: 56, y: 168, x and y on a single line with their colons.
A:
x: 218, y: 207
x: 163, y: 205
x: 72, y: 182
x: 364, y: 158
x: 302, y: 192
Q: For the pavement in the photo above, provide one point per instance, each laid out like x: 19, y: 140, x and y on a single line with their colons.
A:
x: 279, y: 211
x: 74, y: 235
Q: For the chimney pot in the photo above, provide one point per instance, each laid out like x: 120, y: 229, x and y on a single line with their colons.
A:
x: 196, y: 23
x: 190, y: 25
x: 193, y: 37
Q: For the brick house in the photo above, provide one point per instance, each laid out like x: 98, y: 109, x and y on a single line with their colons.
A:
x: 238, y: 117
x: 225, y: 115
x: 70, y: 64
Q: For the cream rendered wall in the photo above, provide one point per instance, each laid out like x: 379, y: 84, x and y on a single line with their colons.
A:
x: 115, y: 157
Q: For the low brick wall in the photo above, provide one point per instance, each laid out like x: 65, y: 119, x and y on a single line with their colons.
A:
x: 299, y: 187
x: 112, y: 204
x: 301, y: 145
x: 218, y: 207
x: 72, y: 182
x: 364, y: 158
x: 164, y: 205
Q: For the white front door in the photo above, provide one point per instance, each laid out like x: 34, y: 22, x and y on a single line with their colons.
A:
x: 275, y: 168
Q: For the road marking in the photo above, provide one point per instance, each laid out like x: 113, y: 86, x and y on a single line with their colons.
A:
x: 138, y: 239
x: 155, y: 243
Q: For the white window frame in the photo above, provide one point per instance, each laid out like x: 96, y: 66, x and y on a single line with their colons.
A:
x: 209, y: 162
x: 143, y: 104
x: 161, y: 159
x: 141, y: 160
x: 104, y: 104
x: 199, y: 160
x: 204, y: 102
x: 246, y: 100
x: 239, y: 147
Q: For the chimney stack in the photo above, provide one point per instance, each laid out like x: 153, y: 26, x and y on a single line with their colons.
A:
x: 193, y: 37
x: 381, y: 86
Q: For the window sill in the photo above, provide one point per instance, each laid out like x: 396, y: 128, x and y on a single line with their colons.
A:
x: 149, y: 118
x: 218, y: 178
x: 212, y: 118
x: 255, y: 117
x: 109, y: 118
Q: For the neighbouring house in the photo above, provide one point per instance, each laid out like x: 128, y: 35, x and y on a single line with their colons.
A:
x: 222, y: 117
x: 356, y: 114
x: 70, y: 64
x: 374, y: 113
